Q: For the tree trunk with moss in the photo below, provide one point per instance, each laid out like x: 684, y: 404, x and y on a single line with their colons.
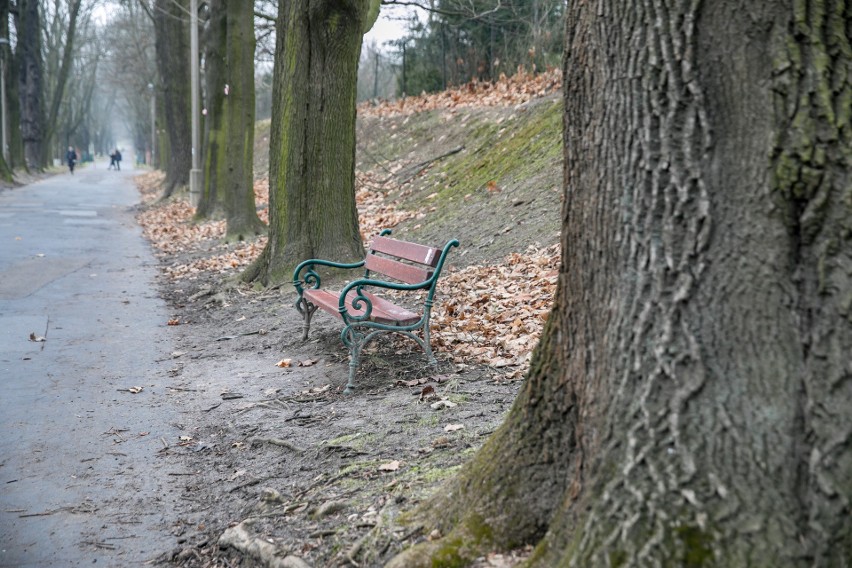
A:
x: 229, y: 151
x: 172, y: 50
x: 689, y: 402
x: 312, y: 142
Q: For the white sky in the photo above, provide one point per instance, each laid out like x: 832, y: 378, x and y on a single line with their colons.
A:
x: 389, y: 26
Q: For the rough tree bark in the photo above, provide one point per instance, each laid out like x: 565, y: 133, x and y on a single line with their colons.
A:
x: 312, y: 142
x: 172, y: 49
x: 30, y: 82
x: 689, y: 401
x: 229, y: 150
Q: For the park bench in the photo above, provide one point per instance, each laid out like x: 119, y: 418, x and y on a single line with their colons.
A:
x: 405, y: 266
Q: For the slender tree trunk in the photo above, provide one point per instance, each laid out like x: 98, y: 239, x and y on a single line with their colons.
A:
x: 64, y: 71
x: 240, y: 208
x: 214, y: 40
x: 30, y: 83
x: 5, y: 170
x: 312, y: 145
x: 228, y: 179
x: 689, y: 402
x: 172, y: 48
x: 10, y: 77
x: 13, y: 108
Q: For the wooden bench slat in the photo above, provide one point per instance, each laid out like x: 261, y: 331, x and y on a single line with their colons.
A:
x: 409, y: 251
x: 384, y: 311
x: 395, y: 269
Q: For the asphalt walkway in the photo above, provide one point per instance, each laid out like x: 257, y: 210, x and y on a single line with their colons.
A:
x: 82, y: 478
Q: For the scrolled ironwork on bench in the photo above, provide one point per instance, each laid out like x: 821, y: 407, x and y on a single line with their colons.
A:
x: 364, y: 314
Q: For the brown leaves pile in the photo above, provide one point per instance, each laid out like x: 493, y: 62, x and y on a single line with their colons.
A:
x: 238, y: 255
x: 171, y: 230
x: 150, y: 185
x: 374, y: 211
x: 495, y: 314
x: 506, y: 91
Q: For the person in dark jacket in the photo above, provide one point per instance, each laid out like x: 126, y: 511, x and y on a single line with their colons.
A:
x: 71, y: 158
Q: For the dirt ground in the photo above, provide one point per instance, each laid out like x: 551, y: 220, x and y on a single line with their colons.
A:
x: 289, y: 471
x: 317, y: 474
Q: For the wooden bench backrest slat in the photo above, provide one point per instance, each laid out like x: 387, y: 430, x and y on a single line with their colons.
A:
x: 397, y: 270
x: 409, y: 251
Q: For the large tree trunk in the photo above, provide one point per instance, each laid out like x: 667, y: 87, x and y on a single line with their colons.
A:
x: 30, y: 82
x: 228, y: 179
x: 312, y: 145
x: 689, y: 403
x: 172, y: 47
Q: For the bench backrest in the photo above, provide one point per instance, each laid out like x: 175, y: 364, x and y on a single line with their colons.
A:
x: 387, y: 255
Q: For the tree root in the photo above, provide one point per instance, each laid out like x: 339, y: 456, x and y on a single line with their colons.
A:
x: 467, y: 541
x: 268, y: 554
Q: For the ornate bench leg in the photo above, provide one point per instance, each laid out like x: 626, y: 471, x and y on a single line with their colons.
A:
x: 307, y: 310
x: 427, y: 347
x: 427, y: 340
x: 355, y: 341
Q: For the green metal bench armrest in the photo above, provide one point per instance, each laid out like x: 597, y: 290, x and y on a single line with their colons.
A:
x: 311, y: 278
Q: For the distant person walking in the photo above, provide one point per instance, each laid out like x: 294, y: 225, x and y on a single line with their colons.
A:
x: 117, y: 159
x: 71, y: 158
x: 111, y: 161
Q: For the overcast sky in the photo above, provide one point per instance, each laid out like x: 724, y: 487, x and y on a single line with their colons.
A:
x: 389, y: 26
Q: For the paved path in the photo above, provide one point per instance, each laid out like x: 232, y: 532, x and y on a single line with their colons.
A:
x: 82, y: 481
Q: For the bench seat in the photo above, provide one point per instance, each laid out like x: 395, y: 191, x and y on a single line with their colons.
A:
x: 384, y: 311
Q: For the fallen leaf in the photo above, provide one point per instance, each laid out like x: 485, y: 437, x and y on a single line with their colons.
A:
x: 307, y: 362
x: 37, y: 338
x: 440, y: 442
x: 174, y: 321
x: 135, y: 390
x: 453, y: 427
x: 185, y: 438
x: 427, y: 390
x: 390, y: 466
x: 412, y: 382
x: 284, y: 363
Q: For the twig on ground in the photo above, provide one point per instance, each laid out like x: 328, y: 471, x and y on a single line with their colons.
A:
x: 277, y: 442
